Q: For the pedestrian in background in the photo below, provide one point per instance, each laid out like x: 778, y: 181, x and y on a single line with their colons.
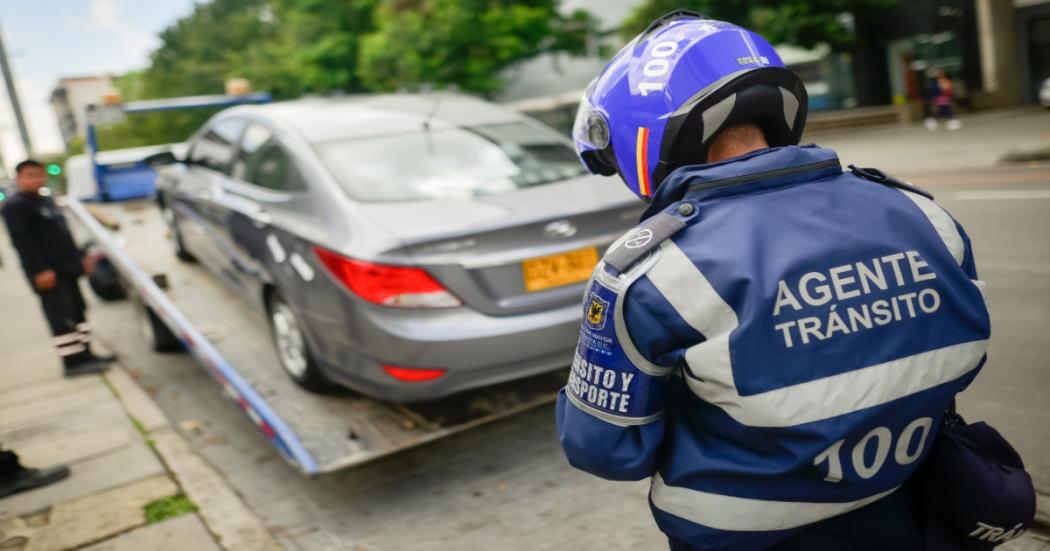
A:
x: 941, y: 95
x: 53, y: 264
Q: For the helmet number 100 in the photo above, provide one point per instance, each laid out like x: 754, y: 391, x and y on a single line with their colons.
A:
x: 655, y: 69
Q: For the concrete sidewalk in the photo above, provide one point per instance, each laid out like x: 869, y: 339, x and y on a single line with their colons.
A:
x: 910, y: 149
x: 120, y: 448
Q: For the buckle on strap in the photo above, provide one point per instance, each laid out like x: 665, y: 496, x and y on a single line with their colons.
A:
x: 880, y: 177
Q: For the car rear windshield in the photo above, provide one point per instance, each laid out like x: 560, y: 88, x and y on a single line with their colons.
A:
x: 450, y: 163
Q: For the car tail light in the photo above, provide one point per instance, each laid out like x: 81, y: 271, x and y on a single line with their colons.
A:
x: 395, y: 286
x: 413, y: 374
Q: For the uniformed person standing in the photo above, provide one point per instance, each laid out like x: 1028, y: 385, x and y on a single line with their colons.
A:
x: 776, y: 344
x: 53, y: 264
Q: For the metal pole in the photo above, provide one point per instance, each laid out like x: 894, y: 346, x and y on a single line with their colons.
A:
x: 9, y: 81
x: 101, y: 191
x: 240, y: 390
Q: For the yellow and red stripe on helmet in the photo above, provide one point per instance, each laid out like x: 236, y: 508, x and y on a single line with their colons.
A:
x: 642, y: 162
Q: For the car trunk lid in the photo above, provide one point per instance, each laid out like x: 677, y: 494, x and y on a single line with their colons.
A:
x: 477, y: 247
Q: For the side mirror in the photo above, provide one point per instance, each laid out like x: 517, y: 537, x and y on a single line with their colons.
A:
x: 161, y: 159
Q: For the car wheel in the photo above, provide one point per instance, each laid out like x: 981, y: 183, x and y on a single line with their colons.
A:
x: 176, y: 235
x: 106, y: 282
x: 153, y: 329
x: 289, y: 341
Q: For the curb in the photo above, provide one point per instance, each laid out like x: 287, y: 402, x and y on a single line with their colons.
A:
x: 1042, y: 513
x: 226, y: 516
x: 1026, y: 156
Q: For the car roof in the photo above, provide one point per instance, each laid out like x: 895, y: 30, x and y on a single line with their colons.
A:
x: 321, y: 120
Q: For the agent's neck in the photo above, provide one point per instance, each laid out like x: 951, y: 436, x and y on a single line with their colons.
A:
x: 735, y: 141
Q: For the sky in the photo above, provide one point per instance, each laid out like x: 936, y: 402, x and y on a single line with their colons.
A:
x: 50, y: 39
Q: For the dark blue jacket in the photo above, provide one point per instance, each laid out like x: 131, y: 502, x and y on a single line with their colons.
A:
x: 41, y: 236
x: 775, y: 345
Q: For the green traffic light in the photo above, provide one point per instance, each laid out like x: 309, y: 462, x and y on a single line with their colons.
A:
x: 53, y: 169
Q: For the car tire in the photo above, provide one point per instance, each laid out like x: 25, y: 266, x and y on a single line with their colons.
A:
x: 291, y: 347
x: 176, y: 235
x: 106, y: 282
x: 155, y: 332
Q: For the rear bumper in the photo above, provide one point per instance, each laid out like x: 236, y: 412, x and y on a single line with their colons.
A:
x: 475, y: 350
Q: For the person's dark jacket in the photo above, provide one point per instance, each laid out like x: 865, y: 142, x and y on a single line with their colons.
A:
x: 41, y: 236
x: 933, y: 90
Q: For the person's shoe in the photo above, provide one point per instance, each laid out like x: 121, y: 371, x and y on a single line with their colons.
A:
x: 28, y: 479
x: 931, y: 124
x: 86, y: 368
x: 954, y: 124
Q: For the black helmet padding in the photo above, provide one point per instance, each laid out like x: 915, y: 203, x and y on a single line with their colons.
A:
x: 772, y: 97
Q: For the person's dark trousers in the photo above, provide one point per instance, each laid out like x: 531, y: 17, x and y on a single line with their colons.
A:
x: 64, y: 308
x: 893, y: 522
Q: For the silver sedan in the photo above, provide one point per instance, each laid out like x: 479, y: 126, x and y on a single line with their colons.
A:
x: 406, y: 246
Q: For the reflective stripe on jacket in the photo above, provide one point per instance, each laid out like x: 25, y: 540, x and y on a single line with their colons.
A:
x: 781, y: 355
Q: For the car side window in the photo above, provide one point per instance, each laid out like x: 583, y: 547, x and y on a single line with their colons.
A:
x: 263, y: 161
x: 253, y: 138
x: 216, y: 147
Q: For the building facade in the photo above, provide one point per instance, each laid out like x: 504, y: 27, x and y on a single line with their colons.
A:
x: 70, y: 98
x: 1032, y: 25
x: 996, y: 52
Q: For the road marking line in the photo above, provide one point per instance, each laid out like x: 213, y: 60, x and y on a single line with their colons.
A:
x: 978, y: 178
x: 990, y: 195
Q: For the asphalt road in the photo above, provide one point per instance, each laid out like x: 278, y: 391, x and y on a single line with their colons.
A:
x: 1006, y: 212
x: 507, y: 486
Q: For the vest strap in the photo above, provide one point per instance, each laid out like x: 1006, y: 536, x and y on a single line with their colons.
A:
x: 878, y: 176
x: 643, y: 239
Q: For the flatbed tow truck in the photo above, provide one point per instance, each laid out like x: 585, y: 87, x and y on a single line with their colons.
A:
x: 181, y: 305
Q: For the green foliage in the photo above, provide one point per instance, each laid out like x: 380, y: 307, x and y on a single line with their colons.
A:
x: 168, y: 507
x: 805, y: 23
x: 143, y: 432
x: 196, y: 56
x: 297, y: 47
x: 462, y: 44
x: 326, y: 41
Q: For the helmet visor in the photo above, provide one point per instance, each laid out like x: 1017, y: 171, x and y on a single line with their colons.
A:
x: 591, y: 130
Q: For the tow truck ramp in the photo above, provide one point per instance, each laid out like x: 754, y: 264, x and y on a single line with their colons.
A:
x: 317, y: 433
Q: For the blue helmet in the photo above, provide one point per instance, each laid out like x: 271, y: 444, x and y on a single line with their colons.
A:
x: 665, y: 95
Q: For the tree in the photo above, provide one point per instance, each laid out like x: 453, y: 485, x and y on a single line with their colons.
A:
x: 195, y: 57
x: 463, y: 44
x: 805, y: 23
x: 313, y: 49
x: 296, y: 47
x: 286, y: 47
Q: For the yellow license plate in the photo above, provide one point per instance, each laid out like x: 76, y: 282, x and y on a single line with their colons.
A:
x: 559, y: 269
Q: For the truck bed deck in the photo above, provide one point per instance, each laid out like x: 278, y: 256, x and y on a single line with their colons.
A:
x: 316, y: 432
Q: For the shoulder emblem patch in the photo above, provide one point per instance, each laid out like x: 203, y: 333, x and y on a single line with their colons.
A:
x: 639, y: 238
x: 597, y: 312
